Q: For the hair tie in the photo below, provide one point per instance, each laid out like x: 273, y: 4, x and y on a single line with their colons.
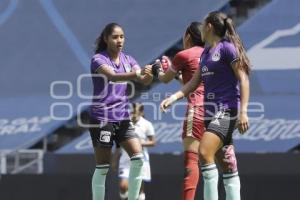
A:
x: 225, y: 25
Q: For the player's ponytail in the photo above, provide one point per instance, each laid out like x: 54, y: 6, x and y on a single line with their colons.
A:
x: 224, y: 28
x: 194, y: 29
x: 100, y: 44
x: 232, y: 35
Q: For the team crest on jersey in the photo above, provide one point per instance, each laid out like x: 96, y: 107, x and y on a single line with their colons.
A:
x: 216, y: 56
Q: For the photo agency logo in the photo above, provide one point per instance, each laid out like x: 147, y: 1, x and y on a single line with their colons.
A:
x: 70, y: 102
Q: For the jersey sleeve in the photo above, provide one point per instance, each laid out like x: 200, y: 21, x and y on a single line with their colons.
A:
x: 230, y: 53
x: 97, y: 62
x: 133, y: 63
x: 178, y: 62
x: 150, y: 129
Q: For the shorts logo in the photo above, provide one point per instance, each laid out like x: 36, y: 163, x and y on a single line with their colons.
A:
x: 204, y: 69
x: 105, y: 136
x: 216, y: 56
x: 216, y: 122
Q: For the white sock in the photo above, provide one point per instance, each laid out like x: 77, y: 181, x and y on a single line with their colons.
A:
x: 124, y: 196
x: 232, y: 186
x: 135, y: 179
x: 98, y: 182
x: 210, y: 176
x: 142, y: 196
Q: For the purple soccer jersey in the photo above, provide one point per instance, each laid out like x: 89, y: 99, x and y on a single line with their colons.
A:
x: 110, y: 102
x: 220, y: 83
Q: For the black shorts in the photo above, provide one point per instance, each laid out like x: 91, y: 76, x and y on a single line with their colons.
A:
x: 104, y: 134
x: 223, y: 124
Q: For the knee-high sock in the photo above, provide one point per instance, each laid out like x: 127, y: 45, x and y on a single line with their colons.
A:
x: 135, y: 179
x: 232, y: 186
x: 210, y: 177
x: 98, y: 182
x: 191, y: 176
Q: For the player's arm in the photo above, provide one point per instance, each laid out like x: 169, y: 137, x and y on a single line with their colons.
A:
x: 142, y: 76
x: 167, y: 76
x: 147, y: 78
x: 168, y: 73
x: 150, y: 142
x: 243, y: 123
x: 191, y: 86
x: 179, y: 78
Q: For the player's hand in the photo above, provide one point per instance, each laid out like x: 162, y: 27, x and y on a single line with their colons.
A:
x: 164, y: 105
x: 165, y: 63
x: 243, y: 123
x: 156, y: 68
x: 147, y: 70
x: 167, y: 102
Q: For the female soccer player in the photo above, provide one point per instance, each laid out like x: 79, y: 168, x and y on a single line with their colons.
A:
x: 224, y: 70
x: 144, y: 129
x: 110, y: 119
x: 187, y: 62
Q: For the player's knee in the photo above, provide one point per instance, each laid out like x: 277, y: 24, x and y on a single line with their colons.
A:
x: 124, y: 195
x: 123, y: 186
x: 102, y: 156
x: 205, y: 155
